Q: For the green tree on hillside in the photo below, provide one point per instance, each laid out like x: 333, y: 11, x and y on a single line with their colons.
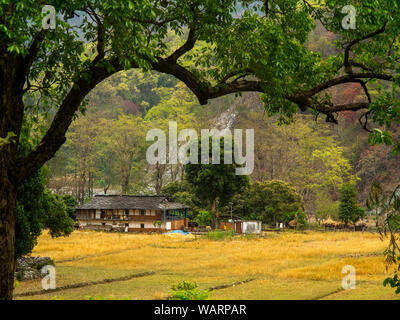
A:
x: 349, y: 211
x: 215, y: 183
x: 125, y: 139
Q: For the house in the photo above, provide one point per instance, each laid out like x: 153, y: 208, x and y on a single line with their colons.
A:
x: 132, y: 213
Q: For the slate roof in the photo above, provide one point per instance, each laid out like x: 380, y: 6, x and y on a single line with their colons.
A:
x: 130, y: 202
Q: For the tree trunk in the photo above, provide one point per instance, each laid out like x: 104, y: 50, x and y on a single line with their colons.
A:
x: 106, y: 188
x: 213, y: 215
x: 11, y: 115
x: 8, y: 197
x: 160, y: 168
x: 125, y: 183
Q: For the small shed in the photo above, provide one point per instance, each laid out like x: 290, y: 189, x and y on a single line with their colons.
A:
x: 250, y: 227
x: 242, y: 226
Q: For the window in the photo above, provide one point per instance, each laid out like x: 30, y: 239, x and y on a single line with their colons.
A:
x: 142, y: 212
x: 127, y: 212
x: 142, y: 226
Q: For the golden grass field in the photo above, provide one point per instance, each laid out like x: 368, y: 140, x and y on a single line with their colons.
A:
x: 285, y: 266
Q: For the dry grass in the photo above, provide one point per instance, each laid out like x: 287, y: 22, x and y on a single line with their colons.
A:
x: 312, y: 259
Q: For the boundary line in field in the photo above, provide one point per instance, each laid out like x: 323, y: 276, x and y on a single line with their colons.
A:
x: 84, y: 284
x: 328, y: 294
x: 338, y: 290
x: 223, y: 286
x: 93, y: 256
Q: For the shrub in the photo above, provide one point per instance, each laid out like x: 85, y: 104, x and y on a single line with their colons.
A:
x: 16, y: 283
x: 215, y: 235
x: 20, y: 275
x: 220, y: 235
x: 188, y: 291
x: 204, y: 218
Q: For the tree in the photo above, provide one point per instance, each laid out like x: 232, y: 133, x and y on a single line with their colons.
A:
x: 296, y: 219
x: 204, y: 218
x: 305, y: 153
x: 70, y: 203
x: 182, y: 192
x: 349, y: 211
x: 176, y: 104
x: 270, y: 201
x: 326, y: 208
x: 215, y: 183
x: 46, y: 69
x: 387, y: 209
x: 81, y: 145
x: 125, y: 139
x: 39, y: 208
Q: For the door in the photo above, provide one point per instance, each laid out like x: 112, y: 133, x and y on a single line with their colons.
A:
x: 238, y: 227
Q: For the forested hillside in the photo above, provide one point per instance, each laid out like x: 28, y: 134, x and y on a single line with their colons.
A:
x: 105, y: 150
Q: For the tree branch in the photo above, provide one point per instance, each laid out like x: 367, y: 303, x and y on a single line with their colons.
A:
x: 347, y: 64
x: 55, y: 136
x: 266, y: 7
x: 346, y: 79
x: 189, y: 44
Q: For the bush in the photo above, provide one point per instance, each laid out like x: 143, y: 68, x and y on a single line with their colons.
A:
x: 16, y: 284
x: 230, y: 234
x: 204, y: 218
x: 220, y: 235
x: 188, y: 291
x: 20, y: 275
x: 301, y: 219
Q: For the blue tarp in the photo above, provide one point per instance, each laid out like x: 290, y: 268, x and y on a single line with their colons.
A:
x: 178, y: 231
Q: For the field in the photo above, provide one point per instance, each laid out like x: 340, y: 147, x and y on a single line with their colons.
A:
x: 278, y: 266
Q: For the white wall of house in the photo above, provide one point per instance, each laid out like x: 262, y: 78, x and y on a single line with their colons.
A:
x: 139, y: 223
x: 136, y: 212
